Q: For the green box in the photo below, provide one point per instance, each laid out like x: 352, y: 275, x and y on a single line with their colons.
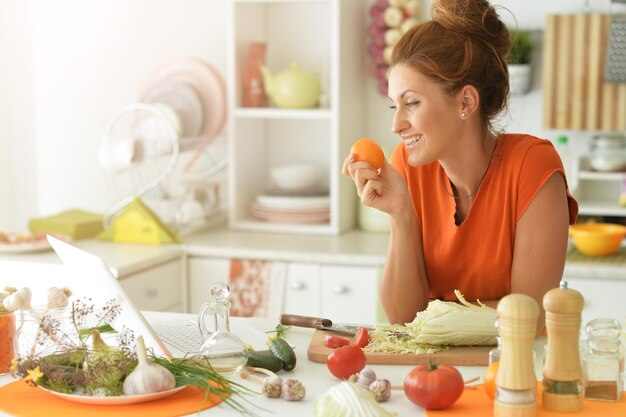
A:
x: 74, y: 223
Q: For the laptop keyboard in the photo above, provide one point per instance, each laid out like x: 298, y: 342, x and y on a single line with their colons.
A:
x: 183, y: 337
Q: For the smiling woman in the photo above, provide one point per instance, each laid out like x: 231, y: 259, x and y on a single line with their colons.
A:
x: 471, y: 208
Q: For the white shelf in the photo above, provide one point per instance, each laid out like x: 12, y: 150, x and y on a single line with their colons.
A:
x: 592, y: 208
x: 322, y: 35
x: 275, y: 113
x: 601, y: 176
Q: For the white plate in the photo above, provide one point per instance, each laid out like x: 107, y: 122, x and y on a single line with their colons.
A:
x: 33, y: 247
x: 281, y: 202
x: 119, y: 400
x: 207, y: 83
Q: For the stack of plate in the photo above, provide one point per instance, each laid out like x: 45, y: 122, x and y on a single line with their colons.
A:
x: 293, y: 209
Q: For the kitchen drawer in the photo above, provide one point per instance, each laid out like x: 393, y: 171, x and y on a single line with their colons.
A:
x: 156, y: 289
x: 203, y: 274
x: 350, y: 293
x: 302, y: 291
x: 603, y: 297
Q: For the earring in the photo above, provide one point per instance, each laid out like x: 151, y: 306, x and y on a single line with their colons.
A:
x: 463, y: 115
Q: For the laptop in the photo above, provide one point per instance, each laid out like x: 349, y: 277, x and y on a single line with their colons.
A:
x: 172, y: 335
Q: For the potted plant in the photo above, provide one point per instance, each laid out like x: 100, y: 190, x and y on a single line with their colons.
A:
x: 519, y: 59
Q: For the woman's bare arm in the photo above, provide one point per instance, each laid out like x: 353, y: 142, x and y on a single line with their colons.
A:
x: 541, y: 243
x: 404, y: 287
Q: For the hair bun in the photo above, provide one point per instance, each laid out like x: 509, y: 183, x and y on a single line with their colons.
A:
x: 474, y: 19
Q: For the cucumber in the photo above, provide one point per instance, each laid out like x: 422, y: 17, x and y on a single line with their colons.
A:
x: 264, y: 359
x: 281, y: 349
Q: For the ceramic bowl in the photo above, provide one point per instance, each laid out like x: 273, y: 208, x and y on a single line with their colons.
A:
x: 296, y: 177
x: 597, y: 239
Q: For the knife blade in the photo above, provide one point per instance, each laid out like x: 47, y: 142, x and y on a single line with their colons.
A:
x: 320, y: 324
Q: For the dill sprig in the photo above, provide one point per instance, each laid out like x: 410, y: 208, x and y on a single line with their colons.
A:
x: 280, y: 330
x: 191, y: 373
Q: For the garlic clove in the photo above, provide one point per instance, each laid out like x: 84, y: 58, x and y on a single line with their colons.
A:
x: 148, y: 377
x: 58, y: 297
x: 18, y: 300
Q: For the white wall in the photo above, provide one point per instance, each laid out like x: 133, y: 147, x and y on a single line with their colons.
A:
x: 67, y: 65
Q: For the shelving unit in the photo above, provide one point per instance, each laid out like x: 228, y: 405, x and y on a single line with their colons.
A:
x: 324, y: 35
x: 598, y: 192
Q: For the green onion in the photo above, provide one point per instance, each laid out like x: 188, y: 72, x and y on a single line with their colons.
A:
x: 191, y: 373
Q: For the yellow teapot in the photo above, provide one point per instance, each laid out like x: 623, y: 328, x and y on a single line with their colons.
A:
x: 292, y: 88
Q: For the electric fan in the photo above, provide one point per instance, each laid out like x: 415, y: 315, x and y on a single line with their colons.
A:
x: 157, y: 148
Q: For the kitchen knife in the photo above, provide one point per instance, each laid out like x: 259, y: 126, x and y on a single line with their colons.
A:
x: 320, y: 324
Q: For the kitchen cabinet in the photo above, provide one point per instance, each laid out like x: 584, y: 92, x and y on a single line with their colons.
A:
x: 323, y: 35
x: 340, y: 292
x: 598, y: 192
x: 158, y: 288
x: 350, y: 293
x: 604, y: 296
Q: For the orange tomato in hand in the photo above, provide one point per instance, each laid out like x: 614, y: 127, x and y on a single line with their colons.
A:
x: 489, y: 380
x: 369, y: 151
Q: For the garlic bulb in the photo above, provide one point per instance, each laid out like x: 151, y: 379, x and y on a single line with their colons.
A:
x: 272, y: 386
x: 58, y: 297
x: 19, y: 300
x: 366, y: 377
x: 147, y: 377
x: 292, y: 390
x: 381, y: 388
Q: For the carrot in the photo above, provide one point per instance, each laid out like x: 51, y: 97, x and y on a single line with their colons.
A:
x: 7, y: 334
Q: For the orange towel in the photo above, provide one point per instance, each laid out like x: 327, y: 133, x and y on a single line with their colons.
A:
x: 19, y: 399
x: 475, y: 403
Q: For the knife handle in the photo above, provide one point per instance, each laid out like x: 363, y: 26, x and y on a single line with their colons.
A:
x: 304, y: 321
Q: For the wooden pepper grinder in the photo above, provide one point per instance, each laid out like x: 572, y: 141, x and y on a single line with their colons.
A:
x: 562, y: 371
x: 516, y: 383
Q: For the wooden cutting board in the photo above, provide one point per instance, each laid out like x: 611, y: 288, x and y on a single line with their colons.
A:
x: 575, y: 96
x: 462, y: 355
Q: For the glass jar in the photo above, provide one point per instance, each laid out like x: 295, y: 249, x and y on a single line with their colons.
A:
x: 43, y: 332
x: 7, y: 337
x: 604, y: 361
x: 608, y: 153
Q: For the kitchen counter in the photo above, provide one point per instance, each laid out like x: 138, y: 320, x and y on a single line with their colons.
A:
x: 354, y: 248
x: 315, y: 376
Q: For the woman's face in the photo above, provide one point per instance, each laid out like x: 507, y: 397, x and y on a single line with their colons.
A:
x: 425, y: 117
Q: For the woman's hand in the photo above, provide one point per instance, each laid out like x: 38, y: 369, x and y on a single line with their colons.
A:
x: 385, y: 190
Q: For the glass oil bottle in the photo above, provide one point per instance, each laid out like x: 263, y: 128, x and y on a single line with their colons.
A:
x: 224, y: 351
x: 562, y: 372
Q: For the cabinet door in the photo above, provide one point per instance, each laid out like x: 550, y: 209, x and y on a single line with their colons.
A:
x: 302, y: 292
x: 203, y: 273
x: 350, y: 294
x: 156, y: 289
x: 603, y: 297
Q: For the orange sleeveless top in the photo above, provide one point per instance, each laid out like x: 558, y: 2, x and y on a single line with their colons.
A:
x: 476, y: 256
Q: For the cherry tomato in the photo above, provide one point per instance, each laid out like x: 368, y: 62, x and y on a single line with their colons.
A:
x: 361, y: 337
x: 334, y: 342
x: 434, y: 386
x: 345, y: 361
x: 489, y: 379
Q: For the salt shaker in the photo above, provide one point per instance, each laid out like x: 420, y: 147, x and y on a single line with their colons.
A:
x: 516, y: 383
x: 604, y: 363
x: 562, y: 371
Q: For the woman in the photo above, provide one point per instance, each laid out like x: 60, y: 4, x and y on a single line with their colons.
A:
x: 471, y: 209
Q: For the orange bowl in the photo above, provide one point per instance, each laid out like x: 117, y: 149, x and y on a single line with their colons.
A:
x: 597, y: 239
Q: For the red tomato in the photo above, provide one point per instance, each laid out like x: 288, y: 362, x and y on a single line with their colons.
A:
x: 334, y: 342
x: 362, y: 337
x: 345, y: 361
x: 434, y: 386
